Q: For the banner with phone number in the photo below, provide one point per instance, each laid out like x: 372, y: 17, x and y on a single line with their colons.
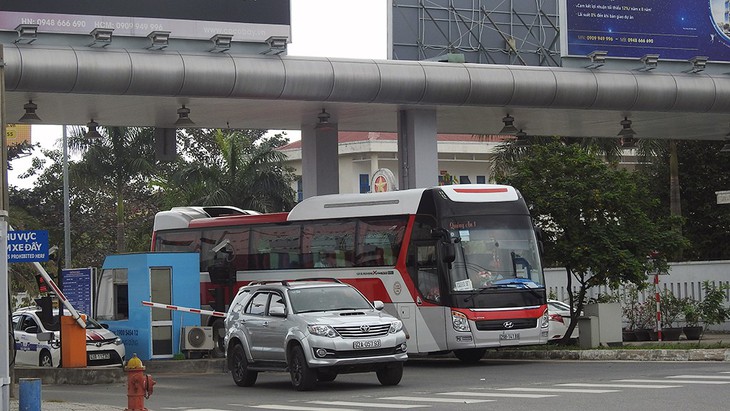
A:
x: 673, y: 29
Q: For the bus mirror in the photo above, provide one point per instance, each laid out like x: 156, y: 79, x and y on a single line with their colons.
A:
x: 448, y: 252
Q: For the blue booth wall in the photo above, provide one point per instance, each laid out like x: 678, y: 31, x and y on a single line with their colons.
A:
x: 136, y: 331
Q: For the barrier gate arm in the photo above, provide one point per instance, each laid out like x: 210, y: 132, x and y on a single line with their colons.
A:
x: 185, y: 309
x: 59, y: 293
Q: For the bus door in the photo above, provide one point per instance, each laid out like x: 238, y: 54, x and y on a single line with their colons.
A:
x: 161, y: 292
x: 431, y: 315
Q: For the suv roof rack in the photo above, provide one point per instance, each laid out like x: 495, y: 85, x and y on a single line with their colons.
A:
x: 287, y: 282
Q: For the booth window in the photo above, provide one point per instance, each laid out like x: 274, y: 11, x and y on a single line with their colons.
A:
x: 114, y: 282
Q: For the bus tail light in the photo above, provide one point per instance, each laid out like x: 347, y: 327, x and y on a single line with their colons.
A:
x: 460, y: 322
x: 545, y: 319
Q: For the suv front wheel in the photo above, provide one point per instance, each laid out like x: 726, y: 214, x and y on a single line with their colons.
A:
x: 303, y: 378
x: 242, y: 376
x: 391, y: 374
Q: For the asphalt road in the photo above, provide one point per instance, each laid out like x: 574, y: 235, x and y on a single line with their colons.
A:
x: 445, y: 384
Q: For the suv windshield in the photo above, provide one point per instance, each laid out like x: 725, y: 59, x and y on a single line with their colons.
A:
x: 327, y: 299
x: 495, y: 251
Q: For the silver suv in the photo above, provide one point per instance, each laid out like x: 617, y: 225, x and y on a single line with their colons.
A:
x: 315, y: 329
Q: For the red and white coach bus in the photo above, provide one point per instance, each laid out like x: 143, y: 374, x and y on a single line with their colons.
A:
x: 459, y: 265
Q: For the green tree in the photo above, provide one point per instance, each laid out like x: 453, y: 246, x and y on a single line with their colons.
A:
x: 704, y: 170
x: 240, y: 168
x: 117, y: 165
x: 596, y: 218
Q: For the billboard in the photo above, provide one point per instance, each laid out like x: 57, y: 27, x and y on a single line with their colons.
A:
x: 482, y: 31
x: 673, y: 29
x: 246, y: 20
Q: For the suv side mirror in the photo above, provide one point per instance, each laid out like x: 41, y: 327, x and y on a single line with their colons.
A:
x: 378, y: 305
x: 277, y: 311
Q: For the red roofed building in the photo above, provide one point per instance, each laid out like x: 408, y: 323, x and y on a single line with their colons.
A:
x: 463, y: 158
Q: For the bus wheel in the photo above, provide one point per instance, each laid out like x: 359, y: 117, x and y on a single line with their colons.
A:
x: 470, y: 356
x: 219, y: 331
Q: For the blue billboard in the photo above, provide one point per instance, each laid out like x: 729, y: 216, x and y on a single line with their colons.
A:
x: 673, y: 29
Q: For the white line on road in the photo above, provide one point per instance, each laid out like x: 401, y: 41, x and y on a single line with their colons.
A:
x: 677, y: 381
x: 296, y: 408
x: 711, y: 377
x: 368, y: 404
x: 566, y: 390
x: 431, y: 399
x: 580, y: 384
x: 496, y: 394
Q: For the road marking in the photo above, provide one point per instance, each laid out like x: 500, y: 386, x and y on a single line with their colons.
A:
x: 580, y: 384
x: 496, y: 394
x: 718, y: 377
x: 431, y: 399
x: 678, y: 381
x: 368, y: 404
x: 297, y: 408
x: 566, y: 390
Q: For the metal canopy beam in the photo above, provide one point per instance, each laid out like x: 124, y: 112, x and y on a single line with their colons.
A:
x: 145, y: 88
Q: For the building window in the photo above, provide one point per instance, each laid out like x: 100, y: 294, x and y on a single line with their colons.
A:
x: 300, y: 195
x: 481, y: 179
x: 364, y: 183
x: 464, y: 180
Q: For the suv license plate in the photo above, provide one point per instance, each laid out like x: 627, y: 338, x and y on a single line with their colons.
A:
x: 509, y: 337
x: 100, y: 356
x: 366, y: 344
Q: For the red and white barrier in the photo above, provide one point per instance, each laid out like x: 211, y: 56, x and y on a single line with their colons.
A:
x: 184, y: 309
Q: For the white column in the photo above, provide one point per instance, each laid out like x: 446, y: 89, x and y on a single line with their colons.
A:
x: 417, y: 149
x: 320, y: 162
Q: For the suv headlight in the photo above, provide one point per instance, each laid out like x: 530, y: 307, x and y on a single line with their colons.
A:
x: 460, y: 322
x: 395, y: 326
x: 322, y: 330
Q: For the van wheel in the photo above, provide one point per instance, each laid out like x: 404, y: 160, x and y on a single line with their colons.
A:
x: 45, y: 359
x: 391, y: 374
x: 303, y: 378
x: 242, y: 375
x: 471, y: 355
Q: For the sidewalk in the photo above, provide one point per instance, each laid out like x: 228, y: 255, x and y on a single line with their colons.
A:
x: 66, y: 406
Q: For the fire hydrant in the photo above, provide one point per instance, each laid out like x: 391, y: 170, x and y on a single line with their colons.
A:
x: 139, y: 384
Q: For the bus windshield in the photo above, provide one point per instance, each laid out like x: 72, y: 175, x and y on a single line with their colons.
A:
x: 496, y: 251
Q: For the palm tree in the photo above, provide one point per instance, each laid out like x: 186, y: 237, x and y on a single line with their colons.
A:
x: 111, y: 165
x: 232, y: 167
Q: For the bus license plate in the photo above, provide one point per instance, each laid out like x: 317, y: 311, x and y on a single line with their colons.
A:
x: 100, y: 356
x: 366, y: 344
x: 509, y: 337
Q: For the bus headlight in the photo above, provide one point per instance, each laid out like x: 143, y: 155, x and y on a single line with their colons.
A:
x: 545, y: 320
x: 460, y: 322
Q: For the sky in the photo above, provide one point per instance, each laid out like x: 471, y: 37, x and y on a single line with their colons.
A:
x: 320, y: 28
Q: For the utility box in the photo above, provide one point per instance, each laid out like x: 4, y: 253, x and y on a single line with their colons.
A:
x: 588, y: 332
x: 609, y: 322
x: 73, y: 343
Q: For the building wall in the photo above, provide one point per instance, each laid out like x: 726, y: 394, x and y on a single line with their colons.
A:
x: 467, y: 158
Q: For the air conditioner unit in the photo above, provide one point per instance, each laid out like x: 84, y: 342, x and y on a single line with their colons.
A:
x: 197, y: 338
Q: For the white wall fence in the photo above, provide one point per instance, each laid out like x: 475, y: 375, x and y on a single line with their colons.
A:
x: 684, y: 280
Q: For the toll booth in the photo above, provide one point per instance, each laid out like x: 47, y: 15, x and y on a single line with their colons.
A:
x: 127, y: 280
